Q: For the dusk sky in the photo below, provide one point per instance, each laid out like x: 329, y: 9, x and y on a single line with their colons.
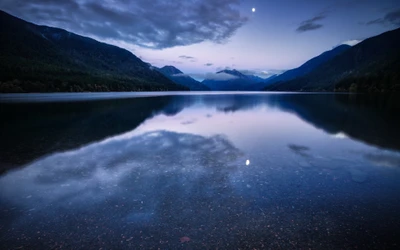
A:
x: 203, y: 36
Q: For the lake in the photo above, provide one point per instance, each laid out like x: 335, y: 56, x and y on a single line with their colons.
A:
x: 199, y: 171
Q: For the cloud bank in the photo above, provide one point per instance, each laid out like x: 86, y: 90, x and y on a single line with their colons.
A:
x: 220, y: 76
x: 156, y: 24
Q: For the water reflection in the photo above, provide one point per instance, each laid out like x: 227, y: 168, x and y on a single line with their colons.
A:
x: 198, y: 172
x: 31, y: 130
x: 386, y: 160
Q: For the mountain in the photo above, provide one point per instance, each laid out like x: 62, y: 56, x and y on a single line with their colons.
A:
x: 370, y: 66
x: 310, y: 65
x: 178, y: 77
x: 227, y: 80
x: 37, y: 58
x: 270, y: 79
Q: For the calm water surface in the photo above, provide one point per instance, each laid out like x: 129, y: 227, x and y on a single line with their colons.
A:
x: 221, y: 171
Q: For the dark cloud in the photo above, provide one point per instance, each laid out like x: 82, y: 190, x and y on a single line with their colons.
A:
x: 153, y: 24
x: 376, y: 21
x: 208, y: 64
x: 311, y: 24
x: 391, y: 18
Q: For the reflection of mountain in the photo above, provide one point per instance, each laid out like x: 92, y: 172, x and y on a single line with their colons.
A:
x: 29, y: 131
x: 371, y: 119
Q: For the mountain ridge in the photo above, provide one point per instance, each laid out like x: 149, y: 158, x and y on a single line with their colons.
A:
x: 177, y: 76
x: 372, y: 65
x: 310, y: 64
x: 237, y: 82
x: 35, y: 58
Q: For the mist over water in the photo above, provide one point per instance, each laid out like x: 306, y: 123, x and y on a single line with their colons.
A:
x: 264, y: 171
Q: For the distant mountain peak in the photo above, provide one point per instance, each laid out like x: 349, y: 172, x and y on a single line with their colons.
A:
x: 170, y: 70
x: 179, y: 77
x: 233, y: 72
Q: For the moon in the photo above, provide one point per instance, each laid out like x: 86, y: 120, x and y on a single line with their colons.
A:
x: 253, y: 10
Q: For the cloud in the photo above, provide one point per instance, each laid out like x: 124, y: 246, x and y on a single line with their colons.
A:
x: 208, y: 64
x: 261, y: 73
x: 188, y: 122
x: 181, y: 75
x: 311, y: 24
x: 220, y: 76
x: 376, y: 21
x: 352, y: 42
x: 186, y: 57
x: 154, y: 24
x: 391, y: 18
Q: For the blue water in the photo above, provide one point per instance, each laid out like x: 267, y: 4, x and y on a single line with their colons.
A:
x: 199, y: 171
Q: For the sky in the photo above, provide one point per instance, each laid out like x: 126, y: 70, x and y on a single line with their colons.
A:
x: 204, y: 36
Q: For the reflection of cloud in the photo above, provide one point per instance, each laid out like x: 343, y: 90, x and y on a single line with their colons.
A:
x: 340, y: 135
x: 93, y: 173
x: 186, y: 57
x: 358, y: 175
x: 188, y: 122
x: 299, y: 149
x: 384, y: 160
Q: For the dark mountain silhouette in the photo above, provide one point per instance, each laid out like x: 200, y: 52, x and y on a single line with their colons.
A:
x: 37, y: 58
x: 179, y: 77
x: 370, y: 66
x: 310, y: 65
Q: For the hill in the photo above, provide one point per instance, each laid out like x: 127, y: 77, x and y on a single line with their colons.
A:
x: 370, y: 66
x: 37, y: 58
x: 310, y: 65
x: 228, y: 80
x: 179, y: 77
